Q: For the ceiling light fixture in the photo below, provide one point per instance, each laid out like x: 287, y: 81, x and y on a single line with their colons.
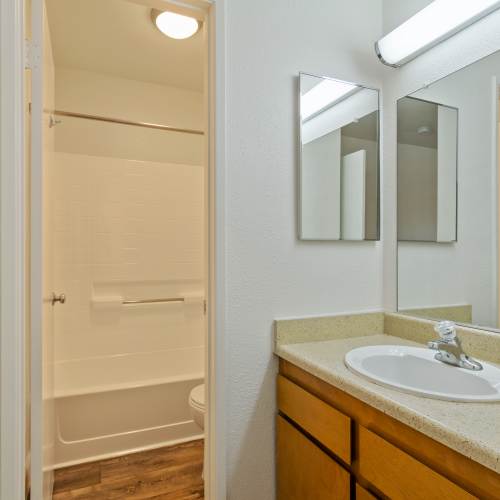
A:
x: 323, y: 95
x: 175, y: 25
x: 433, y: 24
x: 424, y: 130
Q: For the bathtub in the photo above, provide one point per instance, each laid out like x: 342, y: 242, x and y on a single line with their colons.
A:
x: 113, y: 405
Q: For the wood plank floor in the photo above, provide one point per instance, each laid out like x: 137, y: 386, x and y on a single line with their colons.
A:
x: 172, y: 473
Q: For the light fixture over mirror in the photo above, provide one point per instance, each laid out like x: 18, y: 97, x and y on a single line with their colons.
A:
x: 175, y: 25
x: 433, y: 24
x: 324, y: 95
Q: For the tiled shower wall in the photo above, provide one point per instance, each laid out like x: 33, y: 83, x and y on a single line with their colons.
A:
x: 127, y: 230
x: 126, y: 227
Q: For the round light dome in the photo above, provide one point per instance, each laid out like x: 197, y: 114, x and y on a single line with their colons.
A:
x: 175, y: 25
x: 424, y: 130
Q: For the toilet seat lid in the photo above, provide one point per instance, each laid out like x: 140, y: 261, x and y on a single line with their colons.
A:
x: 197, y: 396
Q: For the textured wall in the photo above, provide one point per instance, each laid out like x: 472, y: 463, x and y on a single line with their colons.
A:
x: 270, y: 274
x: 397, y: 11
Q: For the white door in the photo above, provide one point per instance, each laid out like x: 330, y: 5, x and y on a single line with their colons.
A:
x: 41, y: 255
x: 447, y: 174
x: 320, y: 188
x: 353, y: 196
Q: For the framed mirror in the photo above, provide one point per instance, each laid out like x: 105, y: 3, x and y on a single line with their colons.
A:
x: 449, y: 197
x: 339, y: 160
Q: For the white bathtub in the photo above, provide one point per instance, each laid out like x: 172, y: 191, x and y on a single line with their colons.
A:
x: 114, y: 405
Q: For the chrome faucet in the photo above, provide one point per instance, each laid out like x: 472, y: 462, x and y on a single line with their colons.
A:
x: 450, y: 349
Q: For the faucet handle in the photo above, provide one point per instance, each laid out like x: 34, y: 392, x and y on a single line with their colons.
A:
x: 446, y: 330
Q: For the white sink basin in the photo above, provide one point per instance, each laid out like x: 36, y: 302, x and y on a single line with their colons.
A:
x: 414, y: 370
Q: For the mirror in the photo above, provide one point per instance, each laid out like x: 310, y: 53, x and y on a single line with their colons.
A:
x: 339, y: 160
x: 448, y: 197
x: 427, y: 171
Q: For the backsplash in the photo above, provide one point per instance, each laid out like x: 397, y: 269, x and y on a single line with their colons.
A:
x: 482, y: 344
x: 293, y: 331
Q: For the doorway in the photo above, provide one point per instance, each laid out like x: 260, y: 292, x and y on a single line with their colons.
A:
x: 120, y: 200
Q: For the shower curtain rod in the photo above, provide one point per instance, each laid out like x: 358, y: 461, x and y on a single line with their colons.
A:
x: 127, y: 122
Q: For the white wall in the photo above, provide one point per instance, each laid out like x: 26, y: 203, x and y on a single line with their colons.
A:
x: 477, y: 41
x: 101, y: 94
x: 108, y: 96
x: 270, y: 274
x: 417, y: 193
x: 398, y: 11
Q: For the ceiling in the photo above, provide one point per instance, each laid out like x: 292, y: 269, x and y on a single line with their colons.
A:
x: 365, y: 127
x: 118, y: 38
x: 412, y: 114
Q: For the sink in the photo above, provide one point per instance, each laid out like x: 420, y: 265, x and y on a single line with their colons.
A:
x: 414, y: 370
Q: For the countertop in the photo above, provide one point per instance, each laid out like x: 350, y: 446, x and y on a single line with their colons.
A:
x: 472, y: 429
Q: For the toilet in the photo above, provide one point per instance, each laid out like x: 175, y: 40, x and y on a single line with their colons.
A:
x: 197, y: 405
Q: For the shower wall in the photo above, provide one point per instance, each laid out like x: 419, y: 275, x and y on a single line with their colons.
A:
x: 129, y: 224
x: 103, y: 95
x: 133, y: 230
x: 129, y: 216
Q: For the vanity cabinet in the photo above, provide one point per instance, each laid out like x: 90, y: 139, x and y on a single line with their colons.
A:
x: 306, y: 470
x: 362, y: 494
x: 332, y: 446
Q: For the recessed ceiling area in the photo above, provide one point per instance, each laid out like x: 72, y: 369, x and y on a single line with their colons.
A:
x: 413, y: 114
x: 365, y: 128
x: 118, y: 38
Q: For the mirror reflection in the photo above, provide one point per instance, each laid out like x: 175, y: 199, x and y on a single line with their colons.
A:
x: 448, y: 197
x: 427, y: 171
x: 339, y: 161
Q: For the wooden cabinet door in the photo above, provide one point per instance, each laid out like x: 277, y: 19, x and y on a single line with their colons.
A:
x: 362, y: 494
x: 400, y: 476
x: 304, y: 471
x: 324, y: 423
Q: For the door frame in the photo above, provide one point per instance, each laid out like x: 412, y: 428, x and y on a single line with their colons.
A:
x: 13, y: 197
x: 12, y: 254
x: 216, y: 415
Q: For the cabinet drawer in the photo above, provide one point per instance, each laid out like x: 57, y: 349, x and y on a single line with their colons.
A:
x: 362, y: 494
x: 326, y: 424
x: 305, y: 472
x: 398, y: 475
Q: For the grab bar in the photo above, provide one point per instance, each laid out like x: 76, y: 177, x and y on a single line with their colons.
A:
x: 153, y: 301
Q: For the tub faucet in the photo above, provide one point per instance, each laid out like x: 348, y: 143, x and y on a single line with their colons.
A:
x: 450, y: 349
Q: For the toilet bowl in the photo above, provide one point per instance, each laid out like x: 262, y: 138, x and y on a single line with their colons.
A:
x: 197, y: 405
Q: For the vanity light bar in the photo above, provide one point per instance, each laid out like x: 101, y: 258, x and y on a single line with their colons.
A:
x: 323, y: 95
x: 433, y: 24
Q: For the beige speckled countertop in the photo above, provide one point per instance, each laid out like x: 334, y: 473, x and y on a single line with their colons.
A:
x: 472, y: 429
